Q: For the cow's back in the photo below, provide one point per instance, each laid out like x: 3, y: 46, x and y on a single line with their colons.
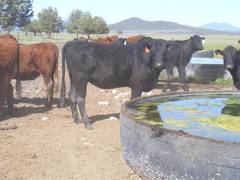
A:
x: 134, y: 39
x: 37, y: 58
x: 107, y: 66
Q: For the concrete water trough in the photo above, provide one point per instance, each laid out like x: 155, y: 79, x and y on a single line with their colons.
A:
x: 183, y: 136
x: 205, y: 68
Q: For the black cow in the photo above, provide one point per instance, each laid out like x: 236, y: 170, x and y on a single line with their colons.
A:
x: 109, y: 66
x: 231, y: 58
x: 179, y: 54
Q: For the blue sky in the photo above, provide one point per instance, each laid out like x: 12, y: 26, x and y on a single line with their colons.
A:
x: 188, y: 12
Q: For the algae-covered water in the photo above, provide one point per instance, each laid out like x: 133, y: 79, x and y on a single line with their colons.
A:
x: 216, y: 117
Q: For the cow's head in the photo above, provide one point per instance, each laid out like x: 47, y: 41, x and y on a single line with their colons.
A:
x: 197, y: 42
x: 159, y: 49
x: 154, y: 50
x: 229, y: 56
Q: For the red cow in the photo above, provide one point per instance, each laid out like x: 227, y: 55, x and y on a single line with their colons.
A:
x: 40, y: 59
x: 108, y: 40
x: 9, y: 58
x: 134, y: 39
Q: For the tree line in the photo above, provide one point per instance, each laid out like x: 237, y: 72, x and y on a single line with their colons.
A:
x: 19, y: 13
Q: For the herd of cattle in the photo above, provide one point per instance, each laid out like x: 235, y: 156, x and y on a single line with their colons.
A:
x: 134, y: 62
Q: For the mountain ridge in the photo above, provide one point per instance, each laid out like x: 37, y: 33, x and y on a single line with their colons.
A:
x: 221, y: 26
x: 138, y: 24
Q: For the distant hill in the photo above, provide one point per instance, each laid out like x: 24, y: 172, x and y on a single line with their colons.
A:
x: 221, y: 27
x: 137, y: 24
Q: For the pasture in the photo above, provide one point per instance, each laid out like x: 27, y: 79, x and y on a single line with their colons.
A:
x: 37, y: 143
x: 212, y: 41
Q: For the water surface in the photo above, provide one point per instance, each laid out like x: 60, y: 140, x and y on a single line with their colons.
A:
x: 216, y: 117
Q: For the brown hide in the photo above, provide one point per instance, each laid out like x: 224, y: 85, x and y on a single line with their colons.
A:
x: 8, y: 59
x: 134, y: 39
x: 108, y: 40
x: 40, y: 59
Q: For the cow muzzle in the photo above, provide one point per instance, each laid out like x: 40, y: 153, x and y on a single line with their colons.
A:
x: 229, y: 66
x: 158, y: 65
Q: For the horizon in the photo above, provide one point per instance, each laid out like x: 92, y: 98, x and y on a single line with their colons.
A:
x: 153, y: 10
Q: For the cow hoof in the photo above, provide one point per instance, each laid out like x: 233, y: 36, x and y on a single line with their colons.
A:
x: 88, y: 126
x: 61, y: 104
x: 48, y: 105
x: 77, y: 121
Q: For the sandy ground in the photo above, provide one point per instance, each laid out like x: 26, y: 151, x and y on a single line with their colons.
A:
x: 44, y: 144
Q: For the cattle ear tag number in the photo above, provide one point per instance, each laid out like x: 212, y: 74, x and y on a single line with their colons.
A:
x: 146, y: 50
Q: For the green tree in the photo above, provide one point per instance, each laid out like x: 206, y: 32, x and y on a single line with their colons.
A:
x: 73, y: 23
x: 33, y: 27
x: 93, y: 25
x: 50, y: 21
x: 15, y: 13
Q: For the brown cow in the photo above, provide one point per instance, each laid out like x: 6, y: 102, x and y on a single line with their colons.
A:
x: 108, y: 40
x: 112, y: 39
x: 36, y: 59
x: 134, y: 39
x: 9, y: 58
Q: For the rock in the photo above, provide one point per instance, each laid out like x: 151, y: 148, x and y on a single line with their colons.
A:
x: 112, y: 118
x: 6, y: 126
x: 114, y: 91
x: 44, y: 118
x: 147, y: 94
x: 103, y: 103
x: 88, y: 144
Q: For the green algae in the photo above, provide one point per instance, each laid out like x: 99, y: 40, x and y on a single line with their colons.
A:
x: 178, y: 123
x: 226, y: 122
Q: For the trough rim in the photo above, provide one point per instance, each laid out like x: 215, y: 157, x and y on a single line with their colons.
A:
x: 130, y: 113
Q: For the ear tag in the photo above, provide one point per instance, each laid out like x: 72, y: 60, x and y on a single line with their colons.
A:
x: 203, y: 41
x: 146, y: 50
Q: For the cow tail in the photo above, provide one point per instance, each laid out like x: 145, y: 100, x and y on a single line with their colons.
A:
x: 18, y: 78
x: 56, y: 73
x: 63, y: 85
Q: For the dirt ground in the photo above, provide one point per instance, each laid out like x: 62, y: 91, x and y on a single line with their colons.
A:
x: 43, y: 144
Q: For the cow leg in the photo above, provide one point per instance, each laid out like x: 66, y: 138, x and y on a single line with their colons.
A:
x: 183, y: 77
x: 10, y: 99
x: 170, y: 77
x: 135, y: 93
x: 81, y: 91
x: 49, y: 82
x: 1, y: 107
x: 18, y: 88
x: 72, y: 95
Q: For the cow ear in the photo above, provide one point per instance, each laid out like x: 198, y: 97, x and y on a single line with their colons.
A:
x: 218, y: 51
x: 147, y: 48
